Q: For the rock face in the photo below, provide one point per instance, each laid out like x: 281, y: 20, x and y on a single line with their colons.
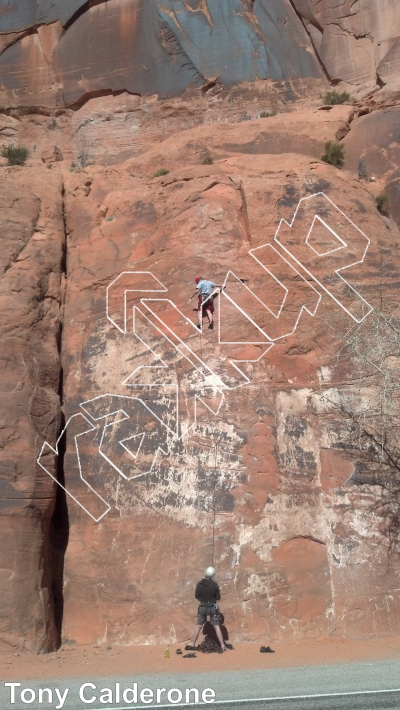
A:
x: 147, y: 47
x: 375, y: 137
x: 111, y: 129
x: 358, y: 43
x: 260, y: 485
x: 372, y: 145
x: 174, y: 449
x: 21, y: 16
x: 30, y: 296
x: 56, y: 54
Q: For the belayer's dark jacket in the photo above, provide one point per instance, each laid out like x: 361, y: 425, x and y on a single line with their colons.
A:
x: 207, y: 591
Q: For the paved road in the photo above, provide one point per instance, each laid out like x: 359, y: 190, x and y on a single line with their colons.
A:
x: 359, y: 686
x: 373, y: 701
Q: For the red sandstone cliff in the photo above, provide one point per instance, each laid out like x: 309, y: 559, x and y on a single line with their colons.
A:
x: 57, y: 55
x: 358, y: 43
x: 273, y: 485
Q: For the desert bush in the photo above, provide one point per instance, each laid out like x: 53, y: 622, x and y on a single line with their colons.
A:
x: 85, y: 151
x: 207, y: 161
x: 334, y: 154
x: 383, y: 203
x: 267, y: 114
x: 332, y: 98
x: 362, y: 170
x: 15, y: 154
x: 161, y: 172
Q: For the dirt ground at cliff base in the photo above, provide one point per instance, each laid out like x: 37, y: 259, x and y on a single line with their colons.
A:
x: 72, y: 662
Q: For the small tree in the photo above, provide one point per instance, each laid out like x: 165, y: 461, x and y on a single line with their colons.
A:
x: 383, y: 203
x: 368, y: 406
x: 334, y: 154
x: 332, y: 98
x: 15, y: 154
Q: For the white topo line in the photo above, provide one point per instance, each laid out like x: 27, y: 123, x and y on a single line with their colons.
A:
x: 56, y: 453
x: 128, y: 286
x: 331, y: 251
x: 163, y: 289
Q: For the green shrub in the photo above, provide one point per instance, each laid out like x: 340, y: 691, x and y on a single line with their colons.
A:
x: 334, y: 154
x: 267, y: 114
x: 160, y: 172
x: 15, y: 154
x: 332, y: 98
x: 207, y: 161
x: 383, y: 203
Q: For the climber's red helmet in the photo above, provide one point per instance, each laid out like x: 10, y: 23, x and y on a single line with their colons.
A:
x: 199, y: 278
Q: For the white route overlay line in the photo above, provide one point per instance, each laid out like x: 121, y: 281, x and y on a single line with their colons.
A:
x: 195, y: 361
x: 173, y: 345
x: 267, y: 339
x: 331, y: 251
x: 193, y: 358
x: 360, y: 261
x: 277, y: 316
x: 144, y: 302
x: 185, y: 355
x: 163, y: 289
x: 55, y: 451
x: 126, y: 417
x: 210, y: 297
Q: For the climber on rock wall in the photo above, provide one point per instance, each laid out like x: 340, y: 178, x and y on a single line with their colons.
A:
x: 208, y: 594
x: 206, y: 300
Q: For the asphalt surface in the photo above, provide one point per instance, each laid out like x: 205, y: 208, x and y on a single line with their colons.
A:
x: 358, y: 686
x: 374, y: 701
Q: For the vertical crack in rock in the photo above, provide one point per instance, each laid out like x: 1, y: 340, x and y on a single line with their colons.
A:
x: 59, y: 526
x: 323, y: 67
x: 244, y: 214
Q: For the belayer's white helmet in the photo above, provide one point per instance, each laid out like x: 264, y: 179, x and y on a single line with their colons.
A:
x: 210, y: 571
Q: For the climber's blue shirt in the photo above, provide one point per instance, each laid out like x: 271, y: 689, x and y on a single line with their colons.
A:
x: 205, y: 288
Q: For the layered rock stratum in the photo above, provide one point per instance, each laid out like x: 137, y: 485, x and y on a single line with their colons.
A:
x: 263, y: 468
x: 57, y: 54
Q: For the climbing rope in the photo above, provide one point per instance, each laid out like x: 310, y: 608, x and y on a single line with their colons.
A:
x: 215, y: 448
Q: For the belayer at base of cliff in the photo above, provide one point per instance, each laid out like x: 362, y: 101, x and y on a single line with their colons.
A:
x: 208, y: 594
